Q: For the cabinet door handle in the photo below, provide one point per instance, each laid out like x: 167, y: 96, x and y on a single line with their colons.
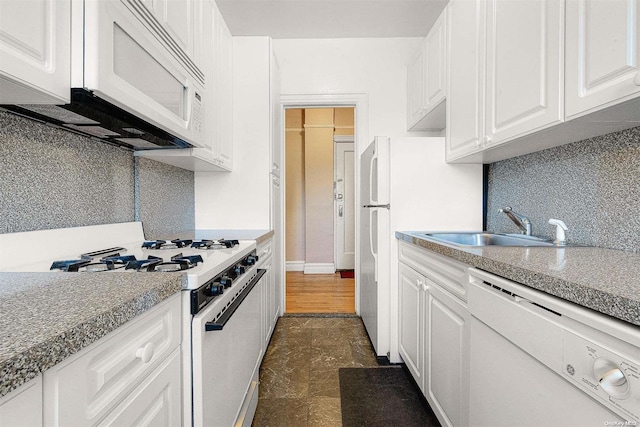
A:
x: 636, y: 79
x: 145, y: 353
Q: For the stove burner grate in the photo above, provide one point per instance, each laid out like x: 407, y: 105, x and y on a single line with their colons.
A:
x: 71, y: 265
x: 163, y: 244
x: 214, y: 244
x: 148, y: 264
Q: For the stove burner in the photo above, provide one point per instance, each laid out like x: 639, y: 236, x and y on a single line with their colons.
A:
x: 214, y: 244
x: 87, y: 263
x: 191, y: 259
x: 119, y: 259
x: 148, y: 263
x: 163, y: 244
x: 100, y: 266
x: 70, y: 265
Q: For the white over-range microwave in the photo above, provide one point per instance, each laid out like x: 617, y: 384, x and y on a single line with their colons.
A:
x: 132, y: 82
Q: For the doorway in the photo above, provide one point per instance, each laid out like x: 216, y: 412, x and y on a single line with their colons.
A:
x: 320, y: 209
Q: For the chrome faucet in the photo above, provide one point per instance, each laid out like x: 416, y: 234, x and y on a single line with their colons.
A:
x: 521, y: 221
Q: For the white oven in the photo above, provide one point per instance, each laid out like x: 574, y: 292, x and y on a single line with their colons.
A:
x: 132, y: 61
x: 226, y: 354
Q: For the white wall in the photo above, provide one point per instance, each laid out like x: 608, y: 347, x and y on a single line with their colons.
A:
x: 375, y: 66
x: 240, y: 199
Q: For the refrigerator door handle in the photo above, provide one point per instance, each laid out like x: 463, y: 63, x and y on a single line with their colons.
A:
x: 374, y: 158
x: 373, y: 252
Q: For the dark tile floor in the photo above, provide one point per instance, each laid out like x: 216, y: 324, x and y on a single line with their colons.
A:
x: 299, y: 383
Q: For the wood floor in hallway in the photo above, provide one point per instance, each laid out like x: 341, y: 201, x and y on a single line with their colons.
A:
x: 319, y: 293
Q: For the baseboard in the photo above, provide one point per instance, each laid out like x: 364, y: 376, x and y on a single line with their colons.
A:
x: 295, y: 265
x: 319, y: 268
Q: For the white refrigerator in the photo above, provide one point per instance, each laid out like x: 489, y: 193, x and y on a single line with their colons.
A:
x: 406, y: 185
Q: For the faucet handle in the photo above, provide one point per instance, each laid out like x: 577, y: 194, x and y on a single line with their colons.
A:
x: 561, y: 227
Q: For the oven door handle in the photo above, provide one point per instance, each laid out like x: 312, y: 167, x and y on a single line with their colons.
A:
x: 218, y: 325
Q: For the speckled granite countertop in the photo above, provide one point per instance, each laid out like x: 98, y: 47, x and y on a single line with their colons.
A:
x: 47, y: 317
x: 604, y: 280
x: 258, y: 235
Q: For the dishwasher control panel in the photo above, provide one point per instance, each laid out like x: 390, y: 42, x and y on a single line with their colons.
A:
x: 612, y: 378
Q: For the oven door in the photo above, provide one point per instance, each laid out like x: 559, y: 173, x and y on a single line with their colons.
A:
x: 126, y: 63
x: 226, y: 354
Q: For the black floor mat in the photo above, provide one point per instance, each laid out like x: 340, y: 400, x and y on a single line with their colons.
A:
x: 382, y: 397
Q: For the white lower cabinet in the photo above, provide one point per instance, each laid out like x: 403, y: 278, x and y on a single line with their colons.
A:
x: 23, y: 406
x: 271, y: 294
x: 155, y: 402
x: 130, y: 377
x: 434, y: 331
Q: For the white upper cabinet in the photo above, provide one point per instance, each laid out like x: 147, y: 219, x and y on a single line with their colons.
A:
x: 524, y: 69
x: 603, y: 54
x: 506, y: 74
x: 222, y: 101
x: 178, y: 18
x: 434, y: 57
x: 215, y: 54
x: 35, y: 51
x: 426, y: 80
x: 465, y: 91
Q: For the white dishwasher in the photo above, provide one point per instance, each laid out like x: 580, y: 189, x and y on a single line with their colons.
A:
x: 537, y: 360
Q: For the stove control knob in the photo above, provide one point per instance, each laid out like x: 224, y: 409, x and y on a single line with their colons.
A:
x: 226, y: 281
x: 214, y: 290
x: 611, y: 378
x: 250, y: 260
x: 239, y: 270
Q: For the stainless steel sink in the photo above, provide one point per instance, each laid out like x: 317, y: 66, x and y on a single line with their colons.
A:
x: 487, y: 239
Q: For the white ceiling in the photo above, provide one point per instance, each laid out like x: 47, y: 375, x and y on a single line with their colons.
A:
x: 296, y: 19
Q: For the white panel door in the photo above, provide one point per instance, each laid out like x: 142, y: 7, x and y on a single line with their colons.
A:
x: 465, y: 96
x: 603, y: 51
x: 446, y: 356
x: 524, y: 82
x: 344, y: 201
x: 23, y: 406
x: 411, y: 322
x: 415, y: 73
x: 35, y: 51
x: 434, y: 56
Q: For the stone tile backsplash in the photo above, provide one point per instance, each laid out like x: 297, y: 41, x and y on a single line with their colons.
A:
x: 166, y: 200
x: 592, y: 185
x: 52, y: 178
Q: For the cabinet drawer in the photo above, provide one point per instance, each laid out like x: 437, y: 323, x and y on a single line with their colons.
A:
x: 23, y: 406
x: 447, y: 273
x: 84, y: 388
x: 155, y: 402
x: 264, y: 250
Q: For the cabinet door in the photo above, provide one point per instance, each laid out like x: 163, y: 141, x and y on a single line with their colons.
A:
x: 23, y: 406
x: 415, y: 71
x: 411, y: 330
x: 35, y: 51
x: 465, y: 99
x: 86, y: 387
x: 524, y: 82
x: 603, y: 53
x: 447, y: 356
x: 156, y: 402
x: 177, y: 19
x: 434, y: 57
x: 268, y: 302
x: 223, y: 96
